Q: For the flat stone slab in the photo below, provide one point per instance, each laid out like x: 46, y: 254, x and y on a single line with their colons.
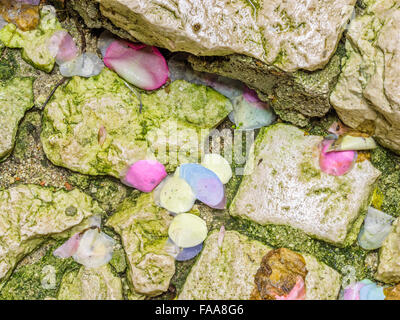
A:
x: 389, y: 257
x: 170, y: 127
x: 16, y: 97
x: 30, y: 214
x: 143, y: 228
x: 367, y: 95
x: 289, y: 34
x: 227, y: 272
x: 90, y: 284
x: 285, y: 186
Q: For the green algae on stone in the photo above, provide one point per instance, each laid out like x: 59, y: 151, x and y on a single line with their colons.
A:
x: 40, y: 279
x: 286, y: 189
x: 227, y: 272
x: 143, y: 228
x: 388, y: 188
x: 33, y: 43
x: 295, y: 97
x: 171, y: 127
x: 16, y: 97
x: 32, y: 214
x: 90, y: 284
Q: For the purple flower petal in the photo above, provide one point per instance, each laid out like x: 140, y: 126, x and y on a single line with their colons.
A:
x: 62, y: 46
x: 206, y: 185
x: 141, y: 65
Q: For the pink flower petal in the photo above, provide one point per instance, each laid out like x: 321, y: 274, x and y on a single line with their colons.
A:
x: 352, y: 292
x: 62, y: 46
x: 336, y: 163
x: 145, y: 175
x: 143, y: 66
x: 297, y: 293
x: 69, y: 248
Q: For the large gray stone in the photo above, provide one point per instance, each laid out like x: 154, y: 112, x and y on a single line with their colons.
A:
x: 272, y: 62
x: 367, y: 95
x: 227, y: 272
x: 30, y: 214
x: 284, y: 185
x: 289, y: 34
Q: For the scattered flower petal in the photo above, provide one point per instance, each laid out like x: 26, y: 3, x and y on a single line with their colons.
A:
x: 86, y: 65
x: 102, y: 135
x: 251, y: 113
x: 141, y: 65
x: 175, y: 195
x: 187, y: 230
x: 189, y: 253
x: 349, y: 142
x: 206, y: 185
x: 372, y: 292
x: 69, y: 248
x: 221, y: 236
x: 145, y: 175
x: 377, y: 226
x: 62, y: 46
x: 352, y: 291
x: 336, y: 163
x: 172, y: 249
x: 219, y: 165
x: 95, y: 249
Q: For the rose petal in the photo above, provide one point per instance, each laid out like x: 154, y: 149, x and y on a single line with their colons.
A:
x: 187, y: 230
x: 145, y: 175
x: 336, y: 163
x: 95, y: 249
x: 219, y: 165
x: 249, y: 113
x: 69, y: 248
x: 175, y: 195
x: 62, y: 46
x: 377, y: 226
x: 205, y: 184
x: 141, y: 65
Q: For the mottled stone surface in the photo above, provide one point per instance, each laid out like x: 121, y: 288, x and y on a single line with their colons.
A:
x: 16, y: 97
x: 171, y: 125
x: 143, y: 228
x: 227, y: 272
x: 295, y: 95
x: 284, y: 185
x: 389, y: 257
x: 90, y: 284
x: 367, y: 95
x: 289, y: 34
x: 31, y: 213
x: 34, y: 43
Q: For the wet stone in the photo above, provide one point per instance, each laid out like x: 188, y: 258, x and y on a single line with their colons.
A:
x: 32, y: 214
x: 227, y: 272
x: 90, y: 284
x: 170, y: 126
x: 288, y: 188
x: 143, y: 228
x: 16, y: 97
